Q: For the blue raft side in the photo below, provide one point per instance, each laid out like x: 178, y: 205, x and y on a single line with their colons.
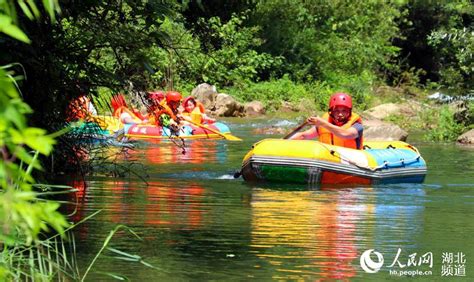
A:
x: 222, y: 127
x: 398, y: 158
x: 395, y: 158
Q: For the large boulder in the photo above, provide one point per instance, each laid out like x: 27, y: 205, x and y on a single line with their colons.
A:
x: 385, y: 110
x: 206, y: 94
x: 377, y: 130
x: 286, y: 107
x: 227, y: 106
x: 467, y: 138
x: 461, y: 112
x: 254, y: 108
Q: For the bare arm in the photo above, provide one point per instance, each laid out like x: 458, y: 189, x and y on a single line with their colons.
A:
x: 349, y: 133
x: 307, y: 134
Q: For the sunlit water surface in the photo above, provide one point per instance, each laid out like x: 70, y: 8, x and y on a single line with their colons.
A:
x: 197, y: 222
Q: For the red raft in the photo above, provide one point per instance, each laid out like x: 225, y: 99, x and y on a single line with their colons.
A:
x: 187, y: 131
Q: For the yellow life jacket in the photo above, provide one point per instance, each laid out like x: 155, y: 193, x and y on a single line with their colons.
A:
x: 328, y: 137
x: 196, y: 113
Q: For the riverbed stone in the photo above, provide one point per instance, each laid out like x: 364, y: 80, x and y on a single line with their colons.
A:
x: 206, y: 94
x: 254, y: 108
x: 467, y: 138
x: 377, y: 130
x: 227, y: 106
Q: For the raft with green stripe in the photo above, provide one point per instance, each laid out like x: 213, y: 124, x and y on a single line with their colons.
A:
x: 313, y: 162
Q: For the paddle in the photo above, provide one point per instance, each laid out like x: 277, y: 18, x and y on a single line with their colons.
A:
x: 294, y: 131
x: 229, y: 137
x: 237, y: 174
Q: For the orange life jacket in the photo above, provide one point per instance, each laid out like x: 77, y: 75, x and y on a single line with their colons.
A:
x: 328, y: 137
x: 164, y: 109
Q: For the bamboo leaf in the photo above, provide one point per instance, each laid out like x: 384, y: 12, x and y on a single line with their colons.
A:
x: 25, y: 9
x: 7, y: 27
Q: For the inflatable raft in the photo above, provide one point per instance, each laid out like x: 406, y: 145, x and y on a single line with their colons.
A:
x: 186, y: 132
x: 313, y: 162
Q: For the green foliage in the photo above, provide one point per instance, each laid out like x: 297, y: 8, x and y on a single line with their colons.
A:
x: 437, y: 37
x: 273, y: 92
x: 446, y: 128
x: 456, y: 46
x: 23, y: 214
x: 317, y: 93
x: 232, y: 60
x: 49, y: 259
x: 236, y: 61
x: 327, y: 39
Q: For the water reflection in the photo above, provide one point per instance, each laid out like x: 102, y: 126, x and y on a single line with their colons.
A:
x: 179, y: 207
x: 164, y: 203
x: 322, y: 233
x: 167, y: 152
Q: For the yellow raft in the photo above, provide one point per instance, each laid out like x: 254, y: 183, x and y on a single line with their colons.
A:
x: 313, y: 162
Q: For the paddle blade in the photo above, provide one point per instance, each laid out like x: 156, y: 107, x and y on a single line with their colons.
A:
x: 231, y: 137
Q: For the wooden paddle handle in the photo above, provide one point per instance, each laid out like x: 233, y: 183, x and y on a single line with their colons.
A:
x: 294, y: 131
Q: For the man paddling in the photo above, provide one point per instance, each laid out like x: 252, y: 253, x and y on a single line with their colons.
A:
x: 339, y: 126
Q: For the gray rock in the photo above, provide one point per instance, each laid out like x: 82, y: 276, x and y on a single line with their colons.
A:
x: 206, y: 94
x: 227, y: 106
x: 461, y: 112
x: 377, y: 130
x: 383, y: 111
x: 254, y: 108
x: 287, y: 107
x: 467, y: 138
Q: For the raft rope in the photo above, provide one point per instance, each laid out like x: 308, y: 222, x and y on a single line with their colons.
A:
x: 372, y: 169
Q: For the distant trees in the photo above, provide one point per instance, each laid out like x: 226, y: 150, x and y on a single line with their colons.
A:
x: 156, y: 44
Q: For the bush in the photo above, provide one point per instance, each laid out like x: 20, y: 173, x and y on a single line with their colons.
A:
x: 272, y: 93
x: 446, y: 128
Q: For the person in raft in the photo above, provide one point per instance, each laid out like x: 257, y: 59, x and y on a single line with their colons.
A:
x: 339, y: 126
x: 169, y: 115
x: 81, y: 108
x: 194, y: 112
x: 128, y: 117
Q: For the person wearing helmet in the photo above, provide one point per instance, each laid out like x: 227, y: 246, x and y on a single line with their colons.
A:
x: 168, y: 110
x: 155, y: 98
x: 339, y: 126
x: 168, y: 115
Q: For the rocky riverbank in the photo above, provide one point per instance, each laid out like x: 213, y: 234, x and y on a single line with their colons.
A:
x: 387, y: 121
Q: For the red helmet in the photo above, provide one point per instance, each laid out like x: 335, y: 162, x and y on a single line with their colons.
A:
x: 156, y: 95
x: 190, y: 98
x: 173, y: 96
x: 340, y: 99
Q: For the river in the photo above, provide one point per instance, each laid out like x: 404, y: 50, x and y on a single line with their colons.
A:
x: 197, y: 222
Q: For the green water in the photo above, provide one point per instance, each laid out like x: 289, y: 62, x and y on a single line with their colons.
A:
x: 198, y: 223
